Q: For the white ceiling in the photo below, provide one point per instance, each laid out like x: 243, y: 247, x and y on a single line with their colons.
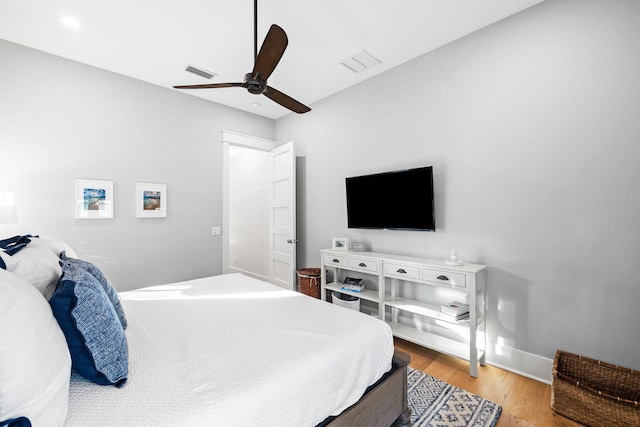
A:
x: 154, y: 40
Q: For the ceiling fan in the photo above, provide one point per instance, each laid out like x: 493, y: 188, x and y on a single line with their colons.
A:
x: 266, y: 60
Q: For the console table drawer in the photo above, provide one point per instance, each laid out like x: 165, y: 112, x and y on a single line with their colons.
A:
x: 402, y: 270
x: 330, y: 259
x: 444, y: 277
x: 363, y: 264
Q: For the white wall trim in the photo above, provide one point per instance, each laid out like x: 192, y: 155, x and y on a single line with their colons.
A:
x: 243, y: 140
x: 225, y: 205
x: 520, y: 362
x: 230, y: 138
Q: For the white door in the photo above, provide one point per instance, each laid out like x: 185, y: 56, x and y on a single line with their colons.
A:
x: 283, y: 216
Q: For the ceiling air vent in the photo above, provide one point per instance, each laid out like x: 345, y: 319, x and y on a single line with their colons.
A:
x: 360, y: 61
x: 200, y: 72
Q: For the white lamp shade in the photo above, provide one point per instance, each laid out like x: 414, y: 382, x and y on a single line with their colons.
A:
x: 7, y: 208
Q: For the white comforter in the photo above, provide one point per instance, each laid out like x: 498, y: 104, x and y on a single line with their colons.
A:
x: 234, y: 351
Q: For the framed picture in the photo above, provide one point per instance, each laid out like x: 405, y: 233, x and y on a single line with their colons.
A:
x: 94, y: 199
x: 340, y: 244
x: 151, y: 200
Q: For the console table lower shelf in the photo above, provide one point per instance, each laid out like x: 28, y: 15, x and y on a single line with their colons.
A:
x: 435, y: 342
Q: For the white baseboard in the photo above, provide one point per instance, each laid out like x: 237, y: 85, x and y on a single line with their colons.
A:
x: 520, y: 362
x: 517, y: 361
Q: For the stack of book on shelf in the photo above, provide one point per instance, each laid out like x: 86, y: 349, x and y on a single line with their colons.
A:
x: 354, y: 285
x: 454, y: 311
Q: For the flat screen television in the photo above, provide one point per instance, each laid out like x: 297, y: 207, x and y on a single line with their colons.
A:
x: 398, y: 200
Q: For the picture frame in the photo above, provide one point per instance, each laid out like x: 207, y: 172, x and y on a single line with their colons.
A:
x: 151, y: 200
x: 94, y: 199
x: 340, y: 244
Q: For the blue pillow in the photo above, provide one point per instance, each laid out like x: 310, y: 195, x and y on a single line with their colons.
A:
x: 102, y: 279
x: 96, y: 339
x: 16, y: 422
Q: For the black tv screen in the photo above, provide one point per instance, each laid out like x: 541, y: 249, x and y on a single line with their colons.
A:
x: 398, y: 200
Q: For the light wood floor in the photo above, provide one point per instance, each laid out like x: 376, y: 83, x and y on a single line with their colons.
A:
x: 525, y: 402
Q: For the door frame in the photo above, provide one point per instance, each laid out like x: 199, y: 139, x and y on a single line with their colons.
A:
x: 230, y: 138
x: 238, y: 139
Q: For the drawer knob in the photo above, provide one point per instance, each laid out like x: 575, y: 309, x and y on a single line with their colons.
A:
x: 336, y: 260
x: 401, y: 270
x: 442, y: 277
x: 362, y: 264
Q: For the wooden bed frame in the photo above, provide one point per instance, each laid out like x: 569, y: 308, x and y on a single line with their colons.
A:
x: 384, y: 404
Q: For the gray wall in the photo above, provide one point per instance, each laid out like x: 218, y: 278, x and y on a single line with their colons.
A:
x: 531, y: 125
x: 61, y: 120
x: 532, y: 128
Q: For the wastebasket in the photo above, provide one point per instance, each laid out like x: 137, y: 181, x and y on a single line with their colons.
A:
x: 347, y: 301
x: 309, y: 282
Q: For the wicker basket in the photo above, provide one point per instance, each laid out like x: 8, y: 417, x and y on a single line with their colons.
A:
x: 309, y: 281
x: 595, y: 393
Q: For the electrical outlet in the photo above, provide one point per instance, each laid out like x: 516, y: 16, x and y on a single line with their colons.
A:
x: 215, y: 231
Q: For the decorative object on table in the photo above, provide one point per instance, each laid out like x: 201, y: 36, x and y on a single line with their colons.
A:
x: 94, y: 199
x: 454, y: 311
x: 353, y: 284
x: 340, y: 244
x: 8, y: 214
x: 453, y: 259
x: 359, y: 246
x: 434, y: 402
x: 595, y: 393
x: 309, y: 282
x: 151, y: 200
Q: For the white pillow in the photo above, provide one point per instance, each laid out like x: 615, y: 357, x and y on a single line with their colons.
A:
x: 55, y: 245
x: 38, y: 263
x: 35, y: 365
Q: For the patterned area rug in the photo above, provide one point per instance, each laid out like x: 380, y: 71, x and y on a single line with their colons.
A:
x: 434, y: 403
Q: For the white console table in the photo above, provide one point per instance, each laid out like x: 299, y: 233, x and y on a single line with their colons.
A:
x: 413, y: 317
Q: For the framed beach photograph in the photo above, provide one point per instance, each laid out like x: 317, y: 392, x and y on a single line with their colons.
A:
x: 94, y: 199
x: 151, y: 200
x: 340, y: 244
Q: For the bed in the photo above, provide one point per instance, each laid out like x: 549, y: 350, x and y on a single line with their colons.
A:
x: 234, y: 351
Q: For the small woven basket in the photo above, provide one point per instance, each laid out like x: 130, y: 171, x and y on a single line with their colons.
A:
x: 309, y: 281
x: 595, y: 393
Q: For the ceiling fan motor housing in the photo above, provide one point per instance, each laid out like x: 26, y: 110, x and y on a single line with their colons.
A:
x: 254, y: 85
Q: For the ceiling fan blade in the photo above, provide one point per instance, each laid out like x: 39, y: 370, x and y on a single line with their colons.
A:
x: 270, y: 53
x: 285, y: 100
x: 209, y: 86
